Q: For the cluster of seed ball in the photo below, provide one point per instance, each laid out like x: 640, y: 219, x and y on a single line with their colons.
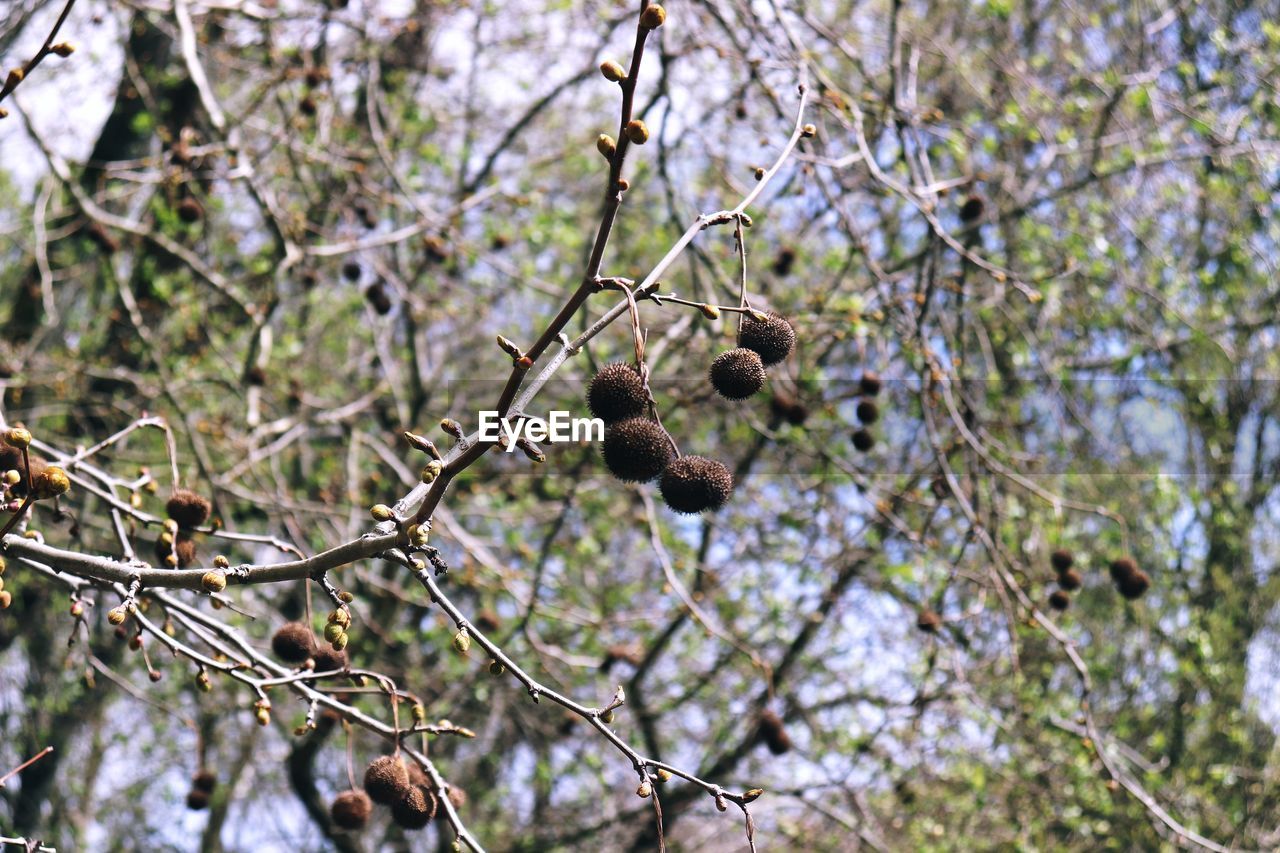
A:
x: 294, y: 643
x: 636, y: 449
x: 388, y: 781
x: 868, y: 412
x: 1130, y: 580
x: 176, y: 547
x: 202, y: 785
x: 1069, y: 578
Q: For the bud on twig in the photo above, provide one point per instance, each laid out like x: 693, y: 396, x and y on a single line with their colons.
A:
x: 453, y: 428
x: 423, y: 444
x: 612, y: 71
x: 606, y: 146
x: 637, y: 132
x: 653, y: 17
x: 63, y: 49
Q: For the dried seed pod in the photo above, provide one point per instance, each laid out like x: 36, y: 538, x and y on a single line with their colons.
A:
x: 1061, y: 560
x: 868, y: 412
x: 351, y: 809
x: 188, y: 508
x: 386, y: 779
x: 869, y: 384
x: 1059, y: 599
x: 773, y: 733
x: 293, y: 642
x: 415, y: 809
x: 737, y: 373
x: 863, y: 440
x: 204, y: 780
x: 772, y: 337
x: 636, y: 450
x: 1070, y: 579
x: 694, y: 484
x: 617, y: 393
x: 972, y: 208
x: 928, y: 621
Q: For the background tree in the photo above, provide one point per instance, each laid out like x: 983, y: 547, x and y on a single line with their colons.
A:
x: 1029, y: 253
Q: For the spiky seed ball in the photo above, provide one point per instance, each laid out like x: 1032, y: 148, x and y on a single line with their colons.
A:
x: 351, y: 809
x: 1134, y: 585
x: 293, y: 642
x: 868, y: 412
x: 386, y: 780
x: 737, y: 374
x: 185, y: 549
x: 328, y: 660
x: 1122, y: 568
x: 1061, y: 560
x: 772, y: 338
x: 188, y: 509
x: 351, y: 271
x: 693, y: 484
x: 636, y: 450
x: 869, y: 384
x: 1059, y: 600
x: 972, y: 208
x: 928, y: 621
x: 378, y: 298
x: 189, y: 210
x: 457, y: 796
x: 784, y: 261
x: 415, y: 809
x: 204, y: 780
x: 789, y: 409
x: 1070, y: 579
x: 417, y: 776
x: 197, y: 799
x: 773, y: 733
x: 616, y: 393
x: 862, y: 440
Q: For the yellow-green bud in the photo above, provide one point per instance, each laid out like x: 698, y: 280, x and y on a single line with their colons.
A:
x: 462, y: 641
x: 50, y: 483
x: 496, y: 668
x: 332, y: 632
x: 606, y: 146
x: 432, y: 470
x: 653, y: 17
x: 12, y: 477
x: 381, y: 512
x: 664, y: 775
x: 117, y: 615
x: 637, y: 132
x: 221, y: 562
x: 170, y: 527
x: 645, y: 790
x: 214, y: 581
x: 711, y: 312
x: 612, y: 71
x: 63, y: 49
x: 18, y: 437
x: 340, y: 643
